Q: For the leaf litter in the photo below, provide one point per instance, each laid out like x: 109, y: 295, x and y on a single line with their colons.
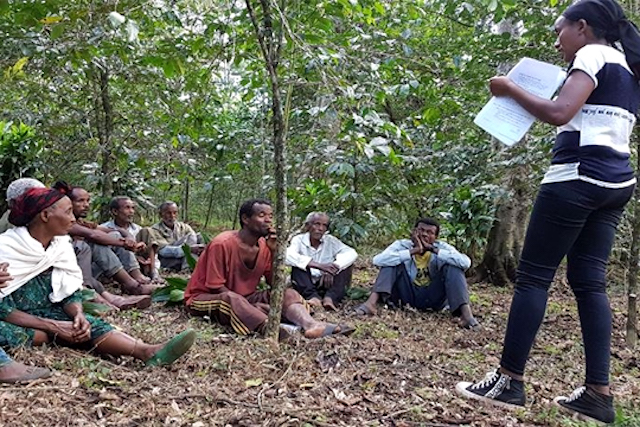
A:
x: 399, y: 368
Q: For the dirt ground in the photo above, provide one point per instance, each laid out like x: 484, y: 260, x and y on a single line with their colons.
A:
x: 398, y: 369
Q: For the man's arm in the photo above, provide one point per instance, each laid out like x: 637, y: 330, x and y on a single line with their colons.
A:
x: 123, y: 232
x: 395, y: 254
x: 447, y: 254
x: 97, y: 236
x: 216, y: 259
x: 345, y: 255
x: 294, y: 257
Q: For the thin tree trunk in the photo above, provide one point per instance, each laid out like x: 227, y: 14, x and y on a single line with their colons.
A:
x: 632, y: 274
x: 270, y: 46
x: 104, y: 125
x: 210, y: 207
x: 185, y: 204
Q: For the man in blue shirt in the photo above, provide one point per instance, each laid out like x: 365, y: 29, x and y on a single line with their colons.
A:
x: 424, y: 273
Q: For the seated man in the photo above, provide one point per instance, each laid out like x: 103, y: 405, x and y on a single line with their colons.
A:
x: 83, y: 253
x: 165, y: 239
x: 424, y: 273
x: 224, y: 285
x: 123, y: 210
x: 11, y: 371
x: 112, y: 256
x: 321, y: 264
x: 41, y: 303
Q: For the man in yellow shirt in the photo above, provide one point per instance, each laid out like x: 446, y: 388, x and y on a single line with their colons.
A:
x: 424, y: 273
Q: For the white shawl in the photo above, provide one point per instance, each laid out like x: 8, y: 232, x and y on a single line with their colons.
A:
x: 27, y: 259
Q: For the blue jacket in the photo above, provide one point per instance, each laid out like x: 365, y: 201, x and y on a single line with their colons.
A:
x: 398, y: 252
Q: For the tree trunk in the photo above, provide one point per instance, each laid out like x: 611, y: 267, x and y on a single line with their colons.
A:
x: 504, y: 243
x: 104, y: 125
x: 270, y: 44
x: 210, y: 205
x: 185, y: 203
x: 632, y: 273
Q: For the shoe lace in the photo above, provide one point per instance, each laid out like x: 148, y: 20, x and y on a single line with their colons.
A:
x: 577, y: 393
x: 488, y: 379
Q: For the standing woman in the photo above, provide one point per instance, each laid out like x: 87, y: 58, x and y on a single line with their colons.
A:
x: 579, y: 204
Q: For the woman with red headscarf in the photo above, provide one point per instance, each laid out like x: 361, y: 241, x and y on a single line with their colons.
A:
x: 42, y: 303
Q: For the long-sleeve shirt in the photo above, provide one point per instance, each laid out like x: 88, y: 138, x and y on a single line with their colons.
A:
x: 399, y: 252
x: 169, y: 241
x: 132, y: 228
x: 331, y: 250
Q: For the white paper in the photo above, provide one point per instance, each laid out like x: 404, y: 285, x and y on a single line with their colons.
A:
x: 503, y: 117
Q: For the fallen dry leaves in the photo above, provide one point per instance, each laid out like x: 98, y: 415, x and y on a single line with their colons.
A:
x: 398, y: 369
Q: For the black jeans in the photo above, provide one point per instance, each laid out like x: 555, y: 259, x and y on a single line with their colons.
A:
x: 303, y: 283
x: 577, y: 220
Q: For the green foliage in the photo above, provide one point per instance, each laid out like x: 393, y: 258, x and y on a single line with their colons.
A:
x: 381, y: 101
x: 357, y: 293
x: 172, y: 293
x: 90, y: 307
x: 470, y: 217
x: 20, y: 154
x: 191, y: 261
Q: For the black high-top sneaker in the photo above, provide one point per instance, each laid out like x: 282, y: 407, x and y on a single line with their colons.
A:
x: 588, y: 405
x: 497, y: 389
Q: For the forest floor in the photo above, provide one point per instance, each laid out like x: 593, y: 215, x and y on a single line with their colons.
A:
x: 398, y: 369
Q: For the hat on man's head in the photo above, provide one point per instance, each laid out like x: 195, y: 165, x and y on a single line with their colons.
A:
x: 19, y: 186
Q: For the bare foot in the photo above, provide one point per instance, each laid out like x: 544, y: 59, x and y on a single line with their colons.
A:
x: 328, y: 304
x: 102, y: 299
x: 314, y: 302
x: 365, y: 309
x: 139, y: 277
x: 321, y: 329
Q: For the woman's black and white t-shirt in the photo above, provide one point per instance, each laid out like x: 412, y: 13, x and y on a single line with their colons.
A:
x: 594, y: 145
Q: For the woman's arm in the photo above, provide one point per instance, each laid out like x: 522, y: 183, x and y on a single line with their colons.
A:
x: 557, y: 112
x: 62, y: 329
x: 81, y: 326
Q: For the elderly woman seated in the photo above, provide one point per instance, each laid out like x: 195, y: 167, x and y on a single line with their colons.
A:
x: 41, y: 302
x: 10, y: 370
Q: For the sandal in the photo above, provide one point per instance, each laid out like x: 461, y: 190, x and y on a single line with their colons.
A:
x: 173, y: 349
x: 30, y: 373
x: 363, y: 310
x: 472, y: 324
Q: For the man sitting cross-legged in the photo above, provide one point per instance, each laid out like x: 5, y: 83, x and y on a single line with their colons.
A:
x: 424, y: 273
x: 112, y: 256
x: 225, y: 282
x: 321, y: 263
x: 123, y: 211
x: 165, y: 239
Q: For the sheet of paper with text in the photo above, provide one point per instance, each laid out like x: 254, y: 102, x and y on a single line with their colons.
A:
x: 503, y: 117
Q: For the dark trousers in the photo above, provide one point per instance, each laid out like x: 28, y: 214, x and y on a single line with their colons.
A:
x: 579, y: 220
x: 448, y: 285
x: 303, y: 283
x: 84, y: 256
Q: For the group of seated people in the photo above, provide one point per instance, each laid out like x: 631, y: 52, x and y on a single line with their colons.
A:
x: 40, y: 284
x: 53, y: 252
